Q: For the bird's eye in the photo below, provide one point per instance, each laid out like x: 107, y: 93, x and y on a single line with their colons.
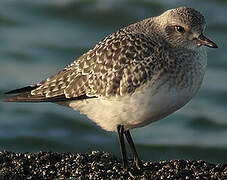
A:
x: 179, y: 29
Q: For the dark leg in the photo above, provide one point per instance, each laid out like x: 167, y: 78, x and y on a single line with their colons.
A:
x: 120, y: 130
x: 133, y: 149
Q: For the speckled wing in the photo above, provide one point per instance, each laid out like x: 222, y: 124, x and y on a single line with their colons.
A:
x: 117, y: 65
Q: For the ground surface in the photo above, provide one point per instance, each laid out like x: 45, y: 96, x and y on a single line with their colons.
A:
x: 100, y: 165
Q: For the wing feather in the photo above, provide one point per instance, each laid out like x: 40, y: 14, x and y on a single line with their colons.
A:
x: 105, y: 70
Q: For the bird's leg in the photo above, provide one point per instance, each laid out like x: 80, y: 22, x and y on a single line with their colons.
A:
x: 133, y: 149
x: 120, y: 131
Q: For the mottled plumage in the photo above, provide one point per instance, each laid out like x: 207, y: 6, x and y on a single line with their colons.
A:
x: 135, y: 76
x: 106, y: 70
x: 117, y: 65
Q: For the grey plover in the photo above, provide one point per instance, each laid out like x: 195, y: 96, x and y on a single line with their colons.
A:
x: 133, y: 77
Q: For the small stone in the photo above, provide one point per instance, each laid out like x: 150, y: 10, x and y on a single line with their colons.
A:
x: 100, y: 165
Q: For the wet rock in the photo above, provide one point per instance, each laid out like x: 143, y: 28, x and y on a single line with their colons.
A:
x: 100, y: 165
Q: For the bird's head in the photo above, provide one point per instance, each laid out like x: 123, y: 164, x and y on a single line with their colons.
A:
x: 183, y: 27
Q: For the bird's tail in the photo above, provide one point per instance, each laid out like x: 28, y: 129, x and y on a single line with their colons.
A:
x: 24, y: 95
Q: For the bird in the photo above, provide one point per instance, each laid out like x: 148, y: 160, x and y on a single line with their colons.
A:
x: 135, y: 76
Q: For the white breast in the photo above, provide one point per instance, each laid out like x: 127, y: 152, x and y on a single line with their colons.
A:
x: 140, y: 109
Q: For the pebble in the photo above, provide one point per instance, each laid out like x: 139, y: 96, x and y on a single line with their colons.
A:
x: 100, y: 165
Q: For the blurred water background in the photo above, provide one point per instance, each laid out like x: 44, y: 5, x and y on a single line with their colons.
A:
x: 38, y: 38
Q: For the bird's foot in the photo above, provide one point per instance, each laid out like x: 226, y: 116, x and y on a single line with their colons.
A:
x: 136, y: 169
x: 138, y: 163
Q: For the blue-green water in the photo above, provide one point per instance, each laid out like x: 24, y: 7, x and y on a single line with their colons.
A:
x: 38, y: 38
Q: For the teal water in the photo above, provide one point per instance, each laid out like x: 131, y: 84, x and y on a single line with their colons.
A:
x: 38, y: 38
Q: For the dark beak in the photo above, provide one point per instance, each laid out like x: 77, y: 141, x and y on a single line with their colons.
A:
x: 202, y: 40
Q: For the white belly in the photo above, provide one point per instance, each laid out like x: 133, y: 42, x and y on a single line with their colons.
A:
x: 143, y: 107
